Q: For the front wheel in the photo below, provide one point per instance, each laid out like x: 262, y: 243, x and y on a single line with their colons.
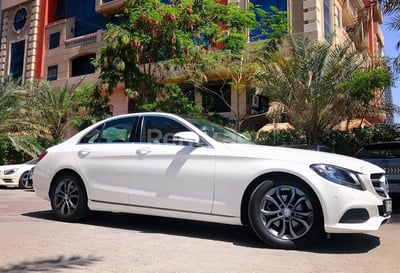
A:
x: 24, y: 181
x: 68, y: 198
x: 284, y: 213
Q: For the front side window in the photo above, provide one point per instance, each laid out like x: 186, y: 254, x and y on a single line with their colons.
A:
x: 160, y: 130
x: 115, y: 131
x: 219, y: 133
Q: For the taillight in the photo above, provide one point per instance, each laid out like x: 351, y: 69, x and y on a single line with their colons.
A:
x: 43, y: 154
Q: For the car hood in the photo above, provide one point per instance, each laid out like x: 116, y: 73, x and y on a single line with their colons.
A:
x: 304, y: 156
x: 12, y: 166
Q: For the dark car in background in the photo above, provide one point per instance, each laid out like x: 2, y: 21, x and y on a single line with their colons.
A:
x: 387, y: 156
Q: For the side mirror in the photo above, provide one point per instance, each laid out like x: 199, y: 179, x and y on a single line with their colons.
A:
x: 186, y: 137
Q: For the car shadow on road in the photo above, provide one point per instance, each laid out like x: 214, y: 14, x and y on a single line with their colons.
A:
x: 237, y: 235
x: 50, y: 265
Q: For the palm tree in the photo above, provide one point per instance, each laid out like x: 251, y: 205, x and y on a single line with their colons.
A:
x: 11, y: 123
x: 392, y: 9
x: 305, y: 79
x: 47, y: 110
x: 9, y: 88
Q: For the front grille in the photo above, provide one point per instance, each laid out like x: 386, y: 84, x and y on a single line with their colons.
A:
x: 380, y: 184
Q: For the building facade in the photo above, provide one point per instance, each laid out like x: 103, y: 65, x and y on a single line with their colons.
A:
x: 56, y: 39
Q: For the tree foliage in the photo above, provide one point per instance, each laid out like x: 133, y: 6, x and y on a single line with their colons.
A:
x: 10, y: 89
x: 90, y: 105
x: 152, y: 37
x: 392, y: 9
x: 35, y: 115
x: 362, y: 85
x: 50, y: 112
x: 308, y: 80
x: 174, y: 101
x: 341, y: 142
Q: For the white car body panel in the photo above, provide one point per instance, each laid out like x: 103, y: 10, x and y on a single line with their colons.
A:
x: 173, y: 177
x: 12, y: 180
x: 202, y: 183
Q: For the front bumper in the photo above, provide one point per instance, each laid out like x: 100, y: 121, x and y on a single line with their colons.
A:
x: 8, y: 182
x: 348, y: 210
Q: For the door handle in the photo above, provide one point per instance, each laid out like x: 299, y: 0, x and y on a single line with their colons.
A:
x: 83, y: 153
x: 144, y: 151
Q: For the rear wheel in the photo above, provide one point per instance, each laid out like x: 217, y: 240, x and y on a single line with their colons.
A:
x: 285, y: 213
x: 24, y: 181
x: 68, y: 198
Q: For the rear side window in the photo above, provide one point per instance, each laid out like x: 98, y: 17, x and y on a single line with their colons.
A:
x: 114, y: 131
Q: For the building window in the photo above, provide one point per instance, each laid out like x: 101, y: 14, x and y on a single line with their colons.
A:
x: 327, y: 20
x: 82, y: 65
x: 54, y: 40
x: 52, y: 73
x: 212, y: 98
x: 20, y: 19
x: 61, y: 10
x: 257, y: 34
x: 17, y: 59
x: 87, y: 20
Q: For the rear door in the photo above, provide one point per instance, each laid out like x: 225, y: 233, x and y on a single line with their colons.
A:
x: 105, y: 159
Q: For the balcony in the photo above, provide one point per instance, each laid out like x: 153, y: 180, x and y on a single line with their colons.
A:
x: 92, y: 38
x: 109, y: 7
x: 349, y: 14
x: 7, y: 4
x: 378, y: 16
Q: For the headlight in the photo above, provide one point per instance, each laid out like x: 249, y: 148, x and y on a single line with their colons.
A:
x: 338, y: 175
x: 10, y: 171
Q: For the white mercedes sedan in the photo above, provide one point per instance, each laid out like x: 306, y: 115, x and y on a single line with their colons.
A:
x: 17, y: 175
x: 162, y: 164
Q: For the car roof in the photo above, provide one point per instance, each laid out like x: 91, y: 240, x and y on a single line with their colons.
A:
x: 383, y: 145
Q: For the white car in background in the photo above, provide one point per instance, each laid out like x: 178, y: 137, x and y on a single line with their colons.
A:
x: 165, y: 165
x: 17, y: 175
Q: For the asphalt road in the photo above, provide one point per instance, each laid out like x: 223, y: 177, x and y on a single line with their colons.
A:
x: 32, y: 241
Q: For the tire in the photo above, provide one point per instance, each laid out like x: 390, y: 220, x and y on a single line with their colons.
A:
x: 284, y: 213
x: 24, y: 181
x: 68, y: 198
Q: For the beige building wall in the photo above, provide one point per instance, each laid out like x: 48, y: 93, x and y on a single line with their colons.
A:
x: 7, y: 4
x: 69, y: 48
x: 29, y: 34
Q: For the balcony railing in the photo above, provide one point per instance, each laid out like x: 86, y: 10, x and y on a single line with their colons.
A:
x: 82, y: 40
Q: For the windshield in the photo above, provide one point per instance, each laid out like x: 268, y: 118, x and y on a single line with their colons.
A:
x: 219, y: 133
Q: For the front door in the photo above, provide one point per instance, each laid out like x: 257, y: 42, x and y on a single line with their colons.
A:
x: 168, y: 175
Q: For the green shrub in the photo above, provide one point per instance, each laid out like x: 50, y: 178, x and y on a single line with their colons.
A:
x: 341, y: 142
